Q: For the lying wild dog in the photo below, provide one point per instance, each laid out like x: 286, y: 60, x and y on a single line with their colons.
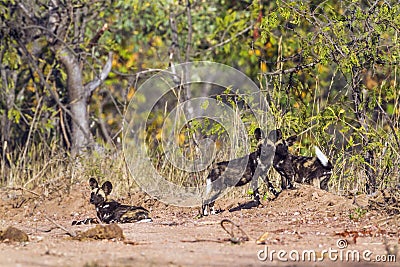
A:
x: 306, y: 170
x: 110, y: 211
x: 256, y: 164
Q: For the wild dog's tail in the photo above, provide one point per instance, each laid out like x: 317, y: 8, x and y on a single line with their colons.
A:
x: 321, y: 157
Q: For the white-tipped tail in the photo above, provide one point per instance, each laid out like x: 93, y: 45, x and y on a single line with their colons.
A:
x: 208, y: 187
x: 321, y: 156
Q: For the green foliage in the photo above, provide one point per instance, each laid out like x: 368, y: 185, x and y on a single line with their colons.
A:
x: 346, y: 101
x: 357, y: 214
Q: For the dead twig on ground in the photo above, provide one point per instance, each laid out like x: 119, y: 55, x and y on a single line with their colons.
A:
x: 236, y: 233
x: 234, y: 238
x: 24, y: 189
x: 67, y: 231
x: 207, y: 240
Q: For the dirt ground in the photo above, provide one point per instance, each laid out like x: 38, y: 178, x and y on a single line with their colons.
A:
x: 301, y: 222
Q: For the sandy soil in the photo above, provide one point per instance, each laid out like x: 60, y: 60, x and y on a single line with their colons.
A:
x: 300, y: 220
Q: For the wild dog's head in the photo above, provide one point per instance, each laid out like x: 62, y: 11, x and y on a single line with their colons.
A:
x: 99, y: 194
x: 274, y: 143
x: 282, y: 145
x: 265, y: 146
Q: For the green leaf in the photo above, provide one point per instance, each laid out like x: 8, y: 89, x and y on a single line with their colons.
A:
x: 204, y: 105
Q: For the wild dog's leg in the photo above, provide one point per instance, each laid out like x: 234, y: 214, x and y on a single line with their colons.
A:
x: 208, y: 209
x: 271, y: 188
x: 266, y: 159
x: 254, y: 187
x: 254, y: 183
x: 86, y: 221
x: 327, y: 168
x: 264, y: 167
x: 204, y: 210
x: 264, y: 176
x: 287, y: 179
x: 286, y: 169
x: 208, y: 205
x: 215, y: 185
x: 324, y: 184
x: 289, y: 169
x: 212, y: 208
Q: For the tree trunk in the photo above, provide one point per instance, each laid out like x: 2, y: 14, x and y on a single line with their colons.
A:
x: 81, y: 136
x: 5, y: 123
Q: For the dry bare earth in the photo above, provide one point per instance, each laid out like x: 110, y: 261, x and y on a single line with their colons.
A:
x: 302, y: 219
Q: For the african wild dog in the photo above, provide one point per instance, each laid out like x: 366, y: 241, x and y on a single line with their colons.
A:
x: 306, y: 170
x: 255, y: 164
x: 110, y: 211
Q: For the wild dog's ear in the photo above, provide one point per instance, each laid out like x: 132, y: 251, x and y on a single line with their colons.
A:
x: 93, y: 183
x: 291, y: 140
x: 275, y: 135
x: 107, y: 187
x: 258, y: 134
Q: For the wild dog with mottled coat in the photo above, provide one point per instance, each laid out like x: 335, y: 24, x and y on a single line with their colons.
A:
x: 255, y: 164
x: 110, y: 211
x: 315, y: 170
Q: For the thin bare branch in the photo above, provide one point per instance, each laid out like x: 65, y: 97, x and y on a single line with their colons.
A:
x: 190, y: 31
x: 174, y: 49
x: 232, y: 38
x: 91, y: 86
x: 291, y: 70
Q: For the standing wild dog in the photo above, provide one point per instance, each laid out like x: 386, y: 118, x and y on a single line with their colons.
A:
x: 255, y: 164
x: 307, y: 170
x: 110, y: 211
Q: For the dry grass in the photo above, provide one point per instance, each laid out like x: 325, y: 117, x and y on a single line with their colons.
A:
x: 48, y: 169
